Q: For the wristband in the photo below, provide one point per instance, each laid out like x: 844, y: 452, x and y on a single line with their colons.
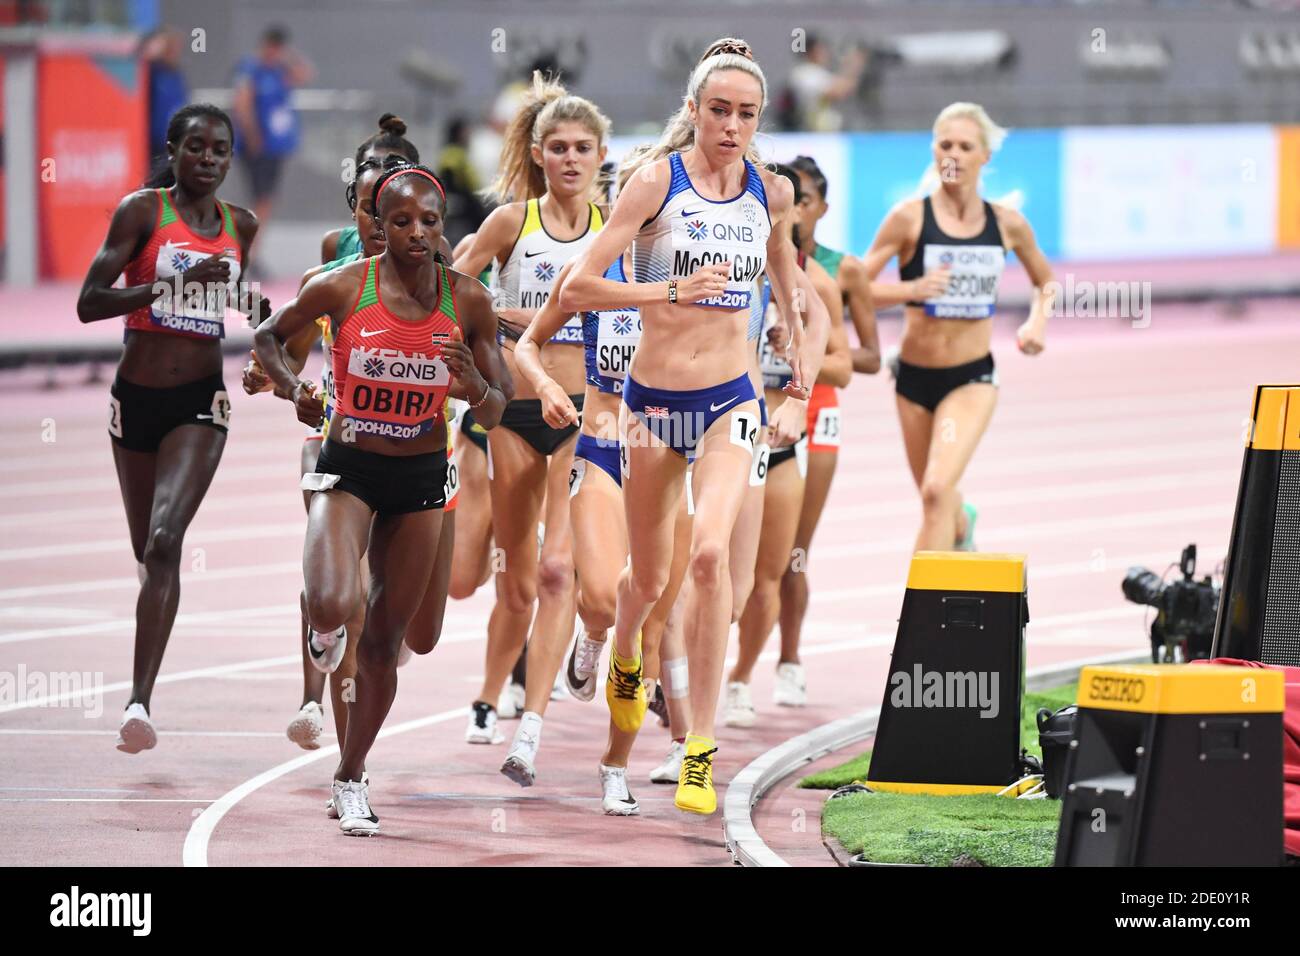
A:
x: 672, y: 291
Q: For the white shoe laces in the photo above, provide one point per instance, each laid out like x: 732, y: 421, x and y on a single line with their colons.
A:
x: 355, y: 804
x: 588, y: 657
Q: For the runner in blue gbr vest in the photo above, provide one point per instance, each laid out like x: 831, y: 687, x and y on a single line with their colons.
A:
x: 703, y: 221
x: 951, y: 248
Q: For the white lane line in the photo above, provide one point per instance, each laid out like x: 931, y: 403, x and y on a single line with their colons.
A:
x: 51, y: 613
x: 49, y: 700
x: 244, y: 532
x: 188, y: 619
x: 44, y: 732
x: 195, y: 851
x: 188, y: 579
x: 100, y: 800
x: 66, y: 790
x: 263, y: 474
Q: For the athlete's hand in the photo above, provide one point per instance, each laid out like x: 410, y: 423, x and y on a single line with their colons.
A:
x: 255, y: 378
x: 460, y: 363
x: 786, y: 425
x: 931, y: 285
x: 1031, y: 337
x: 215, y: 270
x: 705, y: 282
x: 799, y: 375
x: 310, y: 409
x: 778, y: 337
x: 558, y: 410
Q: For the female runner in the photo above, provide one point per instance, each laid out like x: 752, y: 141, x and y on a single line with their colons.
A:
x: 169, y: 410
x: 784, y: 484
x: 824, y: 425
x: 553, y: 152
x: 951, y: 247
x: 407, y: 333
x: 704, y: 223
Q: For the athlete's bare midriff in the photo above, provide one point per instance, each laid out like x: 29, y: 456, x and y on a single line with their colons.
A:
x: 600, y: 414
x: 565, y: 363
x: 162, y: 360
x: 940, y: 343
x: 685, y: 347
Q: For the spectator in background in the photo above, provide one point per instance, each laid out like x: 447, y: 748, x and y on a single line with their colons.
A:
x: 264, y: 114
x: 814, y: 88
x: 465, y: 211
x: 160, y: 51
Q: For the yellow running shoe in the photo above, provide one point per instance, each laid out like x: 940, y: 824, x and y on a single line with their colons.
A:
x: 625, y: 691
x: 695, y: 793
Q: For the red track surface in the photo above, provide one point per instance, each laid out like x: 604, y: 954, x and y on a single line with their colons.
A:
x: 1117, y: 446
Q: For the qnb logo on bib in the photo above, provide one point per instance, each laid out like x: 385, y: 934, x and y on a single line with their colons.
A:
x: 697, y: 242
x: 973, y: 274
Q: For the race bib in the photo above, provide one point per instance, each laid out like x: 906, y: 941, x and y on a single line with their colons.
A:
x: 617, y: 334
x: 801, y: 456
x: 451, y: 485
x: 758, y: 472
x: 221, y: 408
x: 827, y: 429
x: 114, y: 417
x: 317, y: 481
x: 972, y: 280
x: 577, y: 472
x: 744, y: 430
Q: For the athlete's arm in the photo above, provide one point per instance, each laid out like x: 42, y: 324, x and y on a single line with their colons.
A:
x: 900, y: 229
x: 486, y: 380
x: 329, y: 245
x: 804, y: 356
x: 856, y: 289
x: 557, y: 408
x: 837, y: 366
x: 1032, y: 335
x: 495, y: 240
x: 587, y: 289
x: 332, y: 294
x: 132, y: 222
x: 251, y: 302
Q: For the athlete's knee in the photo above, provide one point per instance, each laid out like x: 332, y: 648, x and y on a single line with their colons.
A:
x: 555, y: 575
x: 516, y: 594
x: 378, y: 652
x: 163, y: 549
x: 708, y: 564
x: 462, y: 585
x: 596, y: 606
x: 937, y: 494
x: 647, y: 583
x: 327, y: 610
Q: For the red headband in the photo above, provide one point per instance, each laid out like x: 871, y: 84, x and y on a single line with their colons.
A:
x: 427, y: 175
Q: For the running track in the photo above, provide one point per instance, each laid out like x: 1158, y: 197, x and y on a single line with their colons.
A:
x: 1117, y: 446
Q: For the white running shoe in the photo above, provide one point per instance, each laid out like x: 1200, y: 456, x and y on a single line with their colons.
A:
x: 352, y: 805
x: 330, y: 810
x: 670, y: 771
x: 739, y: 711
x: 511, y: 702
x: 617, y: 800
x: 520, y: 763
x: 136, y: 732
x: 326, y: 650
x: 306, y: 727
x: 791, y: 688
x: 482, y: 727
x: 403, y: 654
x: 582, y: 667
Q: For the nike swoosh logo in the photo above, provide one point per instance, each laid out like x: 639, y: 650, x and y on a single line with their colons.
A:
x: 714, y: 408
x: 366, y: 335
x: 574, y: 681
x: 312, y: 651
x: 687, y: 213
x: 529, y: 255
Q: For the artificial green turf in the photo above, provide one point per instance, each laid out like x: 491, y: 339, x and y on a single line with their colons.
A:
x: 981, y: 829
x: 1053, y: 699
